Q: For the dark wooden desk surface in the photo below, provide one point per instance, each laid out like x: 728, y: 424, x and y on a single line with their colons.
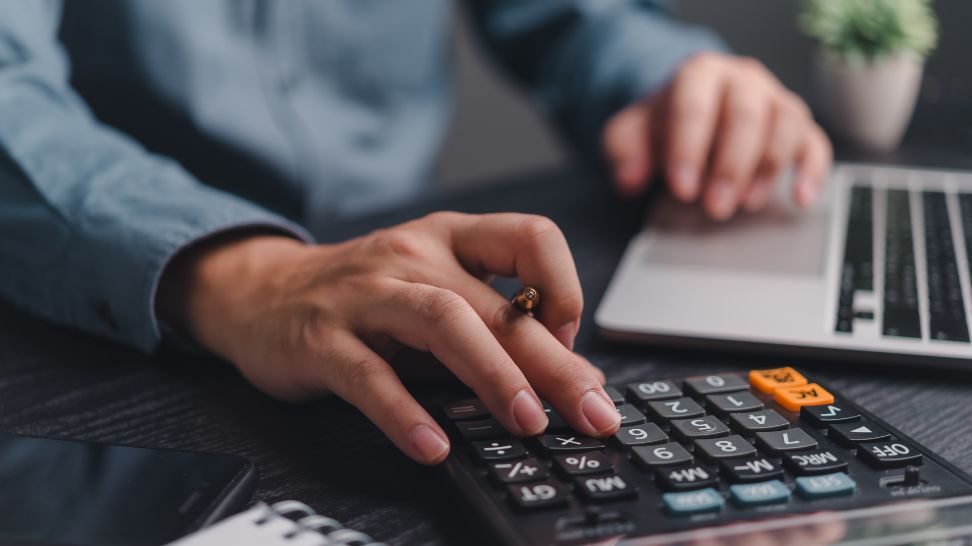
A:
x: 54, y: 382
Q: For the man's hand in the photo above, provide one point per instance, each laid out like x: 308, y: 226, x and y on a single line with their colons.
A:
x: 302, y: 321
x: 722, y: 132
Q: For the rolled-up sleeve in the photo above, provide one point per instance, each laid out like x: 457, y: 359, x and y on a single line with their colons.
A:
x: 583, y: 60
x: 88, y: 218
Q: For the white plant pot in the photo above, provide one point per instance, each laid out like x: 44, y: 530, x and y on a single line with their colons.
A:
x: 868, y: 104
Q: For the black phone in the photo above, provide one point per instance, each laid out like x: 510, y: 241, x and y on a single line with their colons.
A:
x: 59, y: 492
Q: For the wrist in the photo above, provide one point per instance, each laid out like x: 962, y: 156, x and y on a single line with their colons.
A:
x: 208, y: 284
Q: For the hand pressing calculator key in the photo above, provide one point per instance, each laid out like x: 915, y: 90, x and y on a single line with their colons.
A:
x: 767, y: 456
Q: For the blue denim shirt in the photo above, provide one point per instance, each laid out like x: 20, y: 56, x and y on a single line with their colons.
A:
x: 131, y: 128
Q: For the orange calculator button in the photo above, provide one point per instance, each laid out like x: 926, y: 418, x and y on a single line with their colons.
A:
x: 769, y: 380
x: 794, y: 398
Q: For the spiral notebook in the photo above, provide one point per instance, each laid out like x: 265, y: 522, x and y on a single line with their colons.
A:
x: 285, y: 523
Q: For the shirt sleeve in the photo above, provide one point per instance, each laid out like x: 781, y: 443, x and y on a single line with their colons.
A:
x: 584, y: 60
x: 88, y: 218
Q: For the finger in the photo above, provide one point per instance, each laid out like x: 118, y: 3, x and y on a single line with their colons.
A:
x: 627, y: 146
x: 533, y: 249
x: 563, y: 378
x: 788, y: 125
x: 741, y: 137
x: 692, y: 114
x: 441, y: 322
x: 363, y: 379
x: 813, y: 165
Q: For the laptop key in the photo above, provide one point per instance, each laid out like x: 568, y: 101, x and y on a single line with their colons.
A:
x: 946, y: 307
x: 900, y: 317
x: 857, y: 268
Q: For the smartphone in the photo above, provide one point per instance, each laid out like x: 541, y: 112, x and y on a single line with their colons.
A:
x: 58, y: 492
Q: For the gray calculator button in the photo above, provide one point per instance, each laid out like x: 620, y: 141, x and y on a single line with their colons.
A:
x: 715, y: 383
x: 630, y: 415
x: 568, y: 441
x: 470, y: 408
x: 679, y: 408
x: 646, y: 391
x: 615, y: 395
x: 733, y: 402
x: 640, y: 435
x: 661, y: 455
x: 781, y: 441
x: 750, y: 423
x: 700, y: 427
x: 730, y: 447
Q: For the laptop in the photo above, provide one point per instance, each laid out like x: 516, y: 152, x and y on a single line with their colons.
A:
x: 878, y: 269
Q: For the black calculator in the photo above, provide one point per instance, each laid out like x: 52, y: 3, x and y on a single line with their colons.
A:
x: 724, y: 454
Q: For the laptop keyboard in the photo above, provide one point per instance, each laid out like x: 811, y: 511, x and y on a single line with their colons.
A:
x: 692, y: 452
x: 901, y: 309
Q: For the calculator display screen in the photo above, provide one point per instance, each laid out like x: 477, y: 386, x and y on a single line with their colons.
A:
x: 60, y: 492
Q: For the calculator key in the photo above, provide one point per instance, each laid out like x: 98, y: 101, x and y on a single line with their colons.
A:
x: 555, y: 423
x: 647, y: 391
x: 820, y: 461
x: 630, y: 415
x: 827, y: 485
x: 849, y: 434
x: 471, y: 408
x: 592, y: 462
x: 767, y: 381
x: 821, y: 416
x: 498, y: 450
x: 537, y: 496
x: 716, y: 383
x: 889, y: 454
x: 686, y: 477
x: 752, y: 470
x: 779, y: 441
x: 526, y: 470
x: 760, y: 493
x: 723, y: 404
x: 615, y: 395
x: 693, y: 502
x: 605, y: 488
x: 702, y: 427
x: 481, y: 430
x: 749, y: 424
x: 730, y: 447
x: 649, y: 457
x: 794, y: 398
x: 569, y: 442
x: 640, y: 435
x: 681, y: 408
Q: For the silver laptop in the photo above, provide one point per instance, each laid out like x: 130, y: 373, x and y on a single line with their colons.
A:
x: 879, y: 268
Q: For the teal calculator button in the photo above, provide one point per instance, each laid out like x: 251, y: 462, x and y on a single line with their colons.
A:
x: 752, y: 494
x: 825, y: 485
x: 690, y: 502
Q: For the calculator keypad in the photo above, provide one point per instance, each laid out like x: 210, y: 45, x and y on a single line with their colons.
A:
x: 723, y: 446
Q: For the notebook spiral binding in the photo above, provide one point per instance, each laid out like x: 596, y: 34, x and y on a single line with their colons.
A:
x: 310, y: 522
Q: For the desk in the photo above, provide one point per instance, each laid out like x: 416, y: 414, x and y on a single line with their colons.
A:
x: 54, y: 382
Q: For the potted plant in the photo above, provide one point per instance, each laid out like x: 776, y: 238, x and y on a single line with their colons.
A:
x: 869, y: 66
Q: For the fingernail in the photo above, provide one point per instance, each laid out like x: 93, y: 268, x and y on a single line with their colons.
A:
x: 686, y: 181
x: 722, y: 199
x: 529, y: 413
x: 758, y: 195
x: 599, y: 412
x: 565, y: 334
x: 429, y: 445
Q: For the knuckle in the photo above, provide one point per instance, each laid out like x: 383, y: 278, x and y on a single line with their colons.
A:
x: 571, y: 375
x: 747, y: 113
x: 751, y: 66
x: 444, y: 217
x: 361, y: 373
x: 690, y: 108
x: 704, y: 60
x: 538, y: 228
x: 438, y: 306
x: 399, y: 243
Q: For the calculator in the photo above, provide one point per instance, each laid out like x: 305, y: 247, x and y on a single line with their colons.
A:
x: 765, y: 454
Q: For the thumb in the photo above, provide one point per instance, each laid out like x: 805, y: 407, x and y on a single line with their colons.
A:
x: 628, y: 148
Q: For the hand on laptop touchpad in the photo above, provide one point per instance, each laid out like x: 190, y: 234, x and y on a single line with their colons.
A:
x: 779, y: 239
